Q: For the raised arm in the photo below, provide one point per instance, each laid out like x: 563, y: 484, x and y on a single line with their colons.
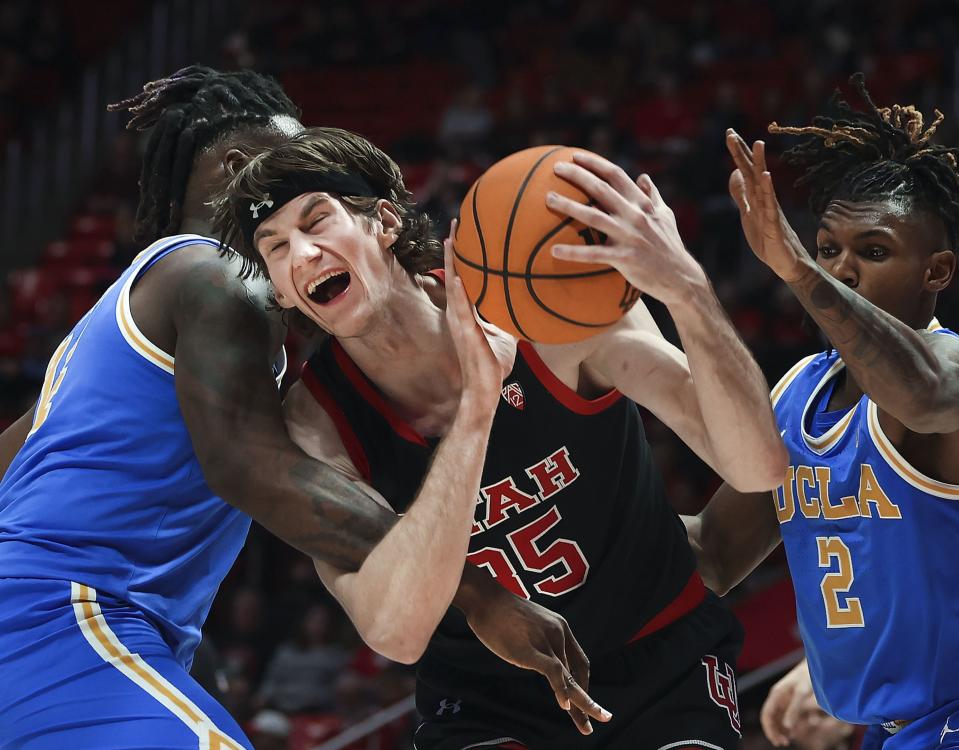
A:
x: 386, y: 598
x: 911, y: 375
x: 714, y: 396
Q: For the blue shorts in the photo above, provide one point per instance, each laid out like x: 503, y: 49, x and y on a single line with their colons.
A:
x: 936, y: 731
x: 82, y: 669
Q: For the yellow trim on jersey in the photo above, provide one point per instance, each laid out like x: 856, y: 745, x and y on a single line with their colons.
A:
x: 128, y: 327
x: 934, y: 325
x: 832, y: 436
x: 776, y: 393
x: 105, y: 642
x: 902, y: 467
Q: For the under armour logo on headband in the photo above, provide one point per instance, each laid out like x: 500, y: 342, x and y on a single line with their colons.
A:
x: 267, y: 202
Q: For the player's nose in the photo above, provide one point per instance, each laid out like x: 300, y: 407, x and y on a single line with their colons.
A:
x: 303, y: 251
x: 845, y: 268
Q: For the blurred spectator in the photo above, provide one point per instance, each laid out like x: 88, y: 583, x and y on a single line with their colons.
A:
x: 247, y: 641
x: 302, y: 672
x: 467, y: 122
x: 269, y: 730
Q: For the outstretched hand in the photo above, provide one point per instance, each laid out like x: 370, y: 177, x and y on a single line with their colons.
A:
x: 529, y: 636
x: 767, y: 231
x: 637, y: 230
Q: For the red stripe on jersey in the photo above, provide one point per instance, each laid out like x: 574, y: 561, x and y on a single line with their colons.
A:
x: 365, y: 388
x: 689, y: 598
x: 562, y: 392
x: 350, y: 441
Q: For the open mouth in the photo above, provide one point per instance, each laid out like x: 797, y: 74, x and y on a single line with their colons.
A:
x: 327, y: 288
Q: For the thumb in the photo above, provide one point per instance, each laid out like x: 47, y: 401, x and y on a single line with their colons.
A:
x: 793, y: 711
x: 771, y: 715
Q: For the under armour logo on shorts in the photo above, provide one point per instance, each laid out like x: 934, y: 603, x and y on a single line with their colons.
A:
x: 454, y: 707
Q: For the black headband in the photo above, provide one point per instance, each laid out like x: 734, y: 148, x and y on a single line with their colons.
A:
x: 293, y: 185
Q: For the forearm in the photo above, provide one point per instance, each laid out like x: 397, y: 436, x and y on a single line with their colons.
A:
x: 887, y: 359
x: 389, y: 596
x: 731, y: 392
x: 304, y: 502
x: 732, y: 535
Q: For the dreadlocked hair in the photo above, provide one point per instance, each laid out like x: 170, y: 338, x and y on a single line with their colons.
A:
x: 327, y: 150
x: 188, y: 112
x: 876, y: 153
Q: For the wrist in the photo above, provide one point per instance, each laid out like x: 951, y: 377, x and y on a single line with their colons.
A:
x: 476, y: 591
x: 695, y: 296
x: 477, y: 407
x: 805, y: 270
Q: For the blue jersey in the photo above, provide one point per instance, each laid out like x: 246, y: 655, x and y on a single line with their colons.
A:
x: 107, y: 490
x: 870, y: 546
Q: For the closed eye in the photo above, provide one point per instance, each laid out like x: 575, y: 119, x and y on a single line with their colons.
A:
x: 316, y: 221
x: 276, y: 247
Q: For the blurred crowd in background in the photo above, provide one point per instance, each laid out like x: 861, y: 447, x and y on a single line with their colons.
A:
x: 447, y: 88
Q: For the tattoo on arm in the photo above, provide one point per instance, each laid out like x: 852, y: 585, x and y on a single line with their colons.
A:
x: 886, y: 358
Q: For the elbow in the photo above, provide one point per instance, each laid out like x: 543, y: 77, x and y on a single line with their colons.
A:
x: 713, y: 579
x: 718, y: 585
x: 765, y: 472
x: 396, y: 643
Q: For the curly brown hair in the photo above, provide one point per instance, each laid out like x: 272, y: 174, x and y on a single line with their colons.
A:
x: 326, y: 150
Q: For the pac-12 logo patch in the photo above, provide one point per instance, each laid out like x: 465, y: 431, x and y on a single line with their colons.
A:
x: 514, y: 396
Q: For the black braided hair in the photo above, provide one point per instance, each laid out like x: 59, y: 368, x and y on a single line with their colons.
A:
x: 188, y: 112
x: 876, y: 154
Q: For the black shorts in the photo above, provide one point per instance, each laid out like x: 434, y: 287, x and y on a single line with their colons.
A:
x: 672, y: 690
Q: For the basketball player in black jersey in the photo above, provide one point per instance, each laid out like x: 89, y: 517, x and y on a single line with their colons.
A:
x: 572, y: 512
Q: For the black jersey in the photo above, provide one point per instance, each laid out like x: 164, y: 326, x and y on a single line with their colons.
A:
x: 571, y: 513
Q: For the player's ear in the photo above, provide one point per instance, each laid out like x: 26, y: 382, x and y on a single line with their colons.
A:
x: 390, y: 222
x: 233, y: 161
x: 282, y: 300
x: 939, y: 273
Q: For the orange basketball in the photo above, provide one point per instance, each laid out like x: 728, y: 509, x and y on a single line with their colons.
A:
x: 502, y: 253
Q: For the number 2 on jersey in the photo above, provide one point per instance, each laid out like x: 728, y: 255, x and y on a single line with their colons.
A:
x: 563, y: 552
x: 834, y: 584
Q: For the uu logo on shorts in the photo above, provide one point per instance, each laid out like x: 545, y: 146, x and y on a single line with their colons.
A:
x: 721, y: 683
x: 513, y: 395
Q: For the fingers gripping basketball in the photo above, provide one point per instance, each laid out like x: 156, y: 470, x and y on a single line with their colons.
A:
x: 502, y: 253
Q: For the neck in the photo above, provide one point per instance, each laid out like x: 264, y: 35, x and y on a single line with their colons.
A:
x: 410, y: 356
x: 846, y: 393
x: 196, y: 225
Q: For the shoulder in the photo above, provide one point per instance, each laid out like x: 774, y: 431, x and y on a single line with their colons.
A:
x: 312, y: 428
x: 206, y: 289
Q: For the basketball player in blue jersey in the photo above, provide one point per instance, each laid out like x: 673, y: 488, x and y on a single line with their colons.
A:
x: 128, y: 490
x: 869, y: 510
x: 572, y: 513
